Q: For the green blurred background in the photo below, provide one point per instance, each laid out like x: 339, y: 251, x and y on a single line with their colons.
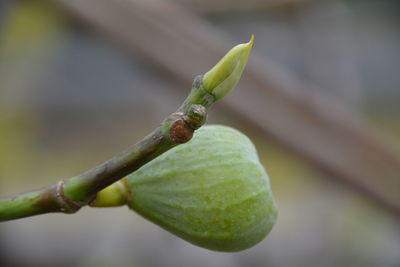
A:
x: 71, y: 98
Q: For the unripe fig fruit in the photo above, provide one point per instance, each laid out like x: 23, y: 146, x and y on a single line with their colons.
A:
x: 212, y: 191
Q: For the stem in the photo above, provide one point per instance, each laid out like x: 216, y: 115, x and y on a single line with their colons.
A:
x: 28, y: 204
x: 70, y: 195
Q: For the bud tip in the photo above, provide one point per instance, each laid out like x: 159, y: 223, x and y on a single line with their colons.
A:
x: 224, y: 76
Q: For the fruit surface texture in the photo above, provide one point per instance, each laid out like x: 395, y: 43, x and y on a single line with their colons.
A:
x: 212, y: 191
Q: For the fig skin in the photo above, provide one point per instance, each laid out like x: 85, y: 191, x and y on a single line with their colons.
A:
x: 212, y: 191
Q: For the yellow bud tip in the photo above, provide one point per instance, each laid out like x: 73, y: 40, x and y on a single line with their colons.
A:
x: 251, y: 42
x: 224, y: 76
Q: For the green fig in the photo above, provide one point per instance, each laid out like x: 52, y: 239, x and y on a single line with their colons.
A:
x: 212, y: 191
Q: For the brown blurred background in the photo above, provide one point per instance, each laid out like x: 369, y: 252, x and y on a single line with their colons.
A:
x: 81, y: 80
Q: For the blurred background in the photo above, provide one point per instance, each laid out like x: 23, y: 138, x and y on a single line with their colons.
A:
x: 81, y: 81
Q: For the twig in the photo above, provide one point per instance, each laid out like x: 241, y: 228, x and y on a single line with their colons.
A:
x: 70, y: 195
x: 178, y: 128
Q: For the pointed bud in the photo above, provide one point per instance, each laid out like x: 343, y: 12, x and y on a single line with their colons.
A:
x: 224, y: 76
